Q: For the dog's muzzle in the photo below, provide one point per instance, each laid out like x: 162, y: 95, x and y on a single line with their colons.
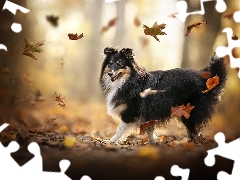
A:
x: 114, y: 75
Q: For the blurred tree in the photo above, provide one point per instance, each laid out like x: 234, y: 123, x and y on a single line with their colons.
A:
x: 198, y: 47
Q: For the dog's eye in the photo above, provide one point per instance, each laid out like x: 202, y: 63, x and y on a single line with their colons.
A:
x: 110, y: 62
x: 119, y: 64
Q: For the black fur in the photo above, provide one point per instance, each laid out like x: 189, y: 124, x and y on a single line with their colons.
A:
x: 180, y: 87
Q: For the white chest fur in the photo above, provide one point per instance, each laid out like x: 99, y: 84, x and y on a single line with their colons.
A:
x: 111, y: 109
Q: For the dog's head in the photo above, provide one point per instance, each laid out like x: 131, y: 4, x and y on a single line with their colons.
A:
x: 117, y: 64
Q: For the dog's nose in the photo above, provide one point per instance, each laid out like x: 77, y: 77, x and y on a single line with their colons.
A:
x: 110, y: 73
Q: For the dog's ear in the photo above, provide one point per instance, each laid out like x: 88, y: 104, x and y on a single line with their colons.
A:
x: 109, y: 51
x: 127, y: 52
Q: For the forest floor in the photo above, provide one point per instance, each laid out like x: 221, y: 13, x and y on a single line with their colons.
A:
x: 73, y: 135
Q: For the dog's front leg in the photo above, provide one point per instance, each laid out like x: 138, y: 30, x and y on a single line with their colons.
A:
x: 150, y: 135
x: 119, y: 132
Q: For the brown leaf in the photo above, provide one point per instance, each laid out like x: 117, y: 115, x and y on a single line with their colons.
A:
x: 189, y: 28
x: 53, y: 20
x: 144, y: 41
x: 144, y: 126
x: 137, y: 21
x: 144, y: 140
x: 29, y: 48
x: 154, y: 30
x: 111, y: 23
x: 228, y: 16
x: 235, y: 37
x: 211, y: 83
x: 75, y: 36
x: 59, y: 99
x: 182, y: 110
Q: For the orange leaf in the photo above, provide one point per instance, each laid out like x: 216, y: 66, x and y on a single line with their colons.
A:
x: 144, y: 126
x: 211, y: 83
x: 182, y: 110
x: 111, y: 23
x: 189, y: 28
x: 137, y: 21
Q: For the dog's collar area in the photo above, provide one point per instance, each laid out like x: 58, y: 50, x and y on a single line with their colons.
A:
x: 114, y: 77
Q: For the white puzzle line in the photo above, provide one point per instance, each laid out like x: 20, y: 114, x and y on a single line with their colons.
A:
x: 227, y: 150
x: 182, y: 9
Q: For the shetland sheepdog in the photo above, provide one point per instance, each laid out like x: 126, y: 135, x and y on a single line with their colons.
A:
x: 122, y: 80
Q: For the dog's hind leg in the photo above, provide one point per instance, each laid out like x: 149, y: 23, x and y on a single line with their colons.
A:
x: 150, y: 130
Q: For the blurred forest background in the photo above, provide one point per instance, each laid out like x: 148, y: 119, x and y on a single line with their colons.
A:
x: 72, y: 68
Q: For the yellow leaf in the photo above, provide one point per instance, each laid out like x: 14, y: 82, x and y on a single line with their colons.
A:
x: 69, y: 141
x: 149, y: 152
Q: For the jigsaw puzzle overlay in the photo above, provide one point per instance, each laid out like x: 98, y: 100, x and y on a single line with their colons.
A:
x: 228, y: 150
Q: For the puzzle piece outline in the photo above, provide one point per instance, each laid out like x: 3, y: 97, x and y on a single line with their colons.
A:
x: 227, y: 150
x: 182, y: 9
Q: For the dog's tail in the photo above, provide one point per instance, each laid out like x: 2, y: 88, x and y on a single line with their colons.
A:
x: 217, y: 67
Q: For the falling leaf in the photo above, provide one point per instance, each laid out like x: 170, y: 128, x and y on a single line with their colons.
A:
x: 148, y: 92
x: 69, y: 141
x: 62, y: 63
x: 154, y: 30
x: 144, y: 126
x: 205, y: 75
x: 26, y: 78
x: 137, y: 21
x: 228, y: 16
x: 235, y: 37
x: 39, y: 96
x: 53, y: 20
x: 29, y: 48
x: 75, y: 36
x: 211, y: 83
x: 173, y: 15
x: 111, y: 23
x: 4, y: 69
x: 182, y: 110
x: 51, y: 125
x: 189, y: 28
x: 144, y: 41
x: 59, y: 99
x: 144, y: 140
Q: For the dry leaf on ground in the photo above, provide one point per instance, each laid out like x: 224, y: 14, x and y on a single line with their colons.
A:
x: 69, y: 141
x: 182, y: 110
